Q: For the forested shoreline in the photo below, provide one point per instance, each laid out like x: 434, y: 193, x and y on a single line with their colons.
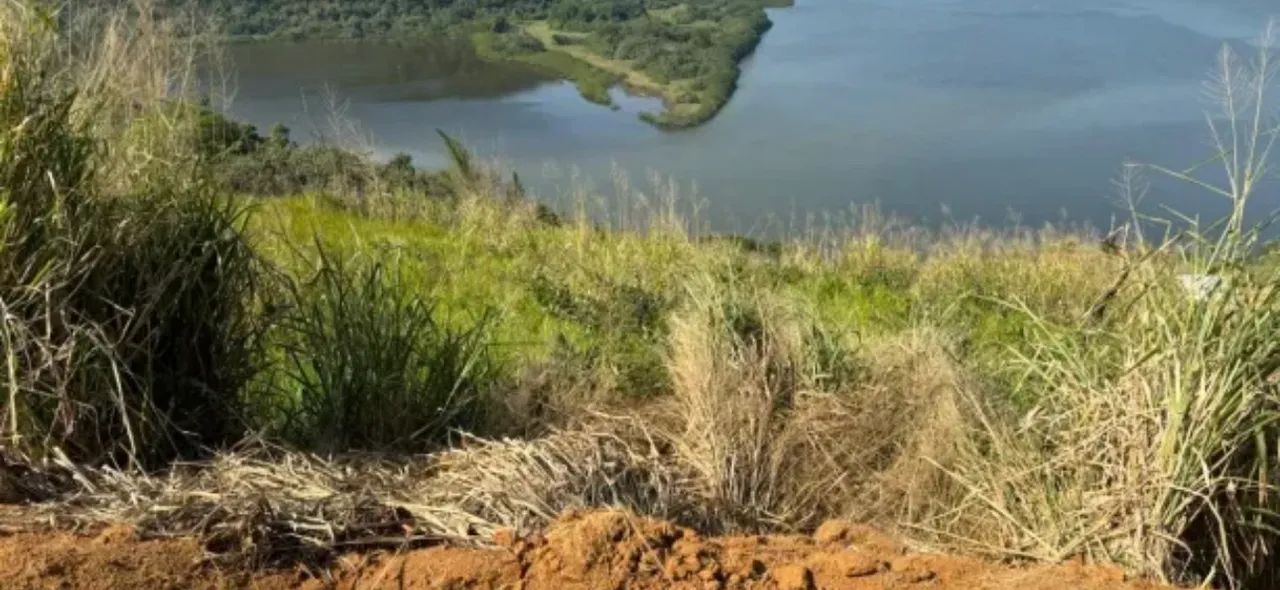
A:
x: 686, y: 52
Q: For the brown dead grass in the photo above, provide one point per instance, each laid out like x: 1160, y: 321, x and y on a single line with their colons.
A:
x: 265, y: 506
x: 894, y: 430
x: 775, y: 427
x: 784, y: 426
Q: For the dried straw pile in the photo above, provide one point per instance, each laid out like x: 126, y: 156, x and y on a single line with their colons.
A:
x: 262, y: 505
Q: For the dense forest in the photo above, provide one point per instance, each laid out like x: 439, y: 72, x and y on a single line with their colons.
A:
x: 684, y: 51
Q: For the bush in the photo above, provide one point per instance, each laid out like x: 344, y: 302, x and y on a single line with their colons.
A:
x: 516, y: 43
x: 244, y: 162
x: 367, y: 363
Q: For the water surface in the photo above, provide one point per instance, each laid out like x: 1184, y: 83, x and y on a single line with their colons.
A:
x: 988, y: 110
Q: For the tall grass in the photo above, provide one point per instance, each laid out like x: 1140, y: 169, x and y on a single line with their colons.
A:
x: 737, y: 372
x: 370, y: 363
x: 125, y: 307
x: 750, y: 378
x: 1155, y: 435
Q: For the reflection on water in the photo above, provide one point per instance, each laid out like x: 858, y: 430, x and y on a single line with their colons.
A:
x: 981, y: 106
x: 380, y: 72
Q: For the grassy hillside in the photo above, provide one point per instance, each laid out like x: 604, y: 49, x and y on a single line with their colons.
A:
x: 174, y: 284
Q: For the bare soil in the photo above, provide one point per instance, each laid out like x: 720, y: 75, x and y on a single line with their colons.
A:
x: 590, y: 550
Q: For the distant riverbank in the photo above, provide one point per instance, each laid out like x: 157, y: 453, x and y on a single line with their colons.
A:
x: 919, y: 106
x: 687, y: 54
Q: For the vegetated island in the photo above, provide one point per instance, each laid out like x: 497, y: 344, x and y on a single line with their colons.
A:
x: 685, y: 52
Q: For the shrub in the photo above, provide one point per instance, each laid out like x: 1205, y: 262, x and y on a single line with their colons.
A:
x: 367, y: 363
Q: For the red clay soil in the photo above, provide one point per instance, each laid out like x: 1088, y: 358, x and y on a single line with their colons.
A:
x: 596, y: 550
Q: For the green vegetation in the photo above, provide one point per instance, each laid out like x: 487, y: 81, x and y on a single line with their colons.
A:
x: 685, y: 52
x: 126, y: 292
x: 592, y: 82
x: 368, y: 364
x: 174, y: 283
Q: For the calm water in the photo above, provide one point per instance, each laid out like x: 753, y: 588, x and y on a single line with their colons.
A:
x: 960, y: 109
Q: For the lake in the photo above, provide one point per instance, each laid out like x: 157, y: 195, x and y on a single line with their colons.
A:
x: 992, y: 111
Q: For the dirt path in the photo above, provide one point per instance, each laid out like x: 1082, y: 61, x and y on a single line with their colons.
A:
x: 586, y: 551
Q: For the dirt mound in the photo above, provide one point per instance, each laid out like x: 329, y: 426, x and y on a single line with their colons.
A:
x: 618, y: 550
x: 590, y: 550
x: 112, y: 558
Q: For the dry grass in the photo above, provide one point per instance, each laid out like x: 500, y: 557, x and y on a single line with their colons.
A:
x: 1047, y: 272
x: 124, y: 284
x: 1153, y: 437
x: 262, y: 505
x: 1149, y: 446
x: 785, y: 425
x: 131, y: 70
x: 606, y: 462
x: 737, y: 370
x: 780, y: 438
x: 897, y: 428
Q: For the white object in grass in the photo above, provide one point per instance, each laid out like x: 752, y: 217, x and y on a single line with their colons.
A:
x: 1200, y: 287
